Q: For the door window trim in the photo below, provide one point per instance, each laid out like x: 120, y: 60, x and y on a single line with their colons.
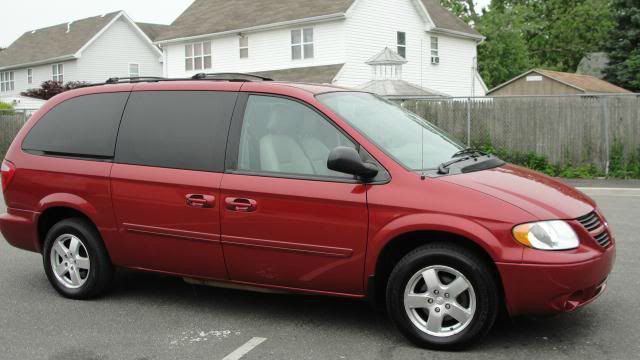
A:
x: 235, y: 132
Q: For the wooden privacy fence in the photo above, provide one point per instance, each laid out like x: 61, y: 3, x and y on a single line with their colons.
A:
x: 572, y: 130
x: 10, y: 124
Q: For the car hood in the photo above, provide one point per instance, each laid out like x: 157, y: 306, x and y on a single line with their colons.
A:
x: 542, y: 196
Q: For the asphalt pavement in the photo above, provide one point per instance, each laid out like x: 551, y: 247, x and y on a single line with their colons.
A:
x: 149, y: 316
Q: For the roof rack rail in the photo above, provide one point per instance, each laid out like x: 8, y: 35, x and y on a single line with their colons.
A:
x: 229, y: 77
x: 119, y: 80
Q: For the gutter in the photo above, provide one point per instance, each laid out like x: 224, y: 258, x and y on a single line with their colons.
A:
x: 310, y: 20
x: 461, y: 34
x: 39, y: 62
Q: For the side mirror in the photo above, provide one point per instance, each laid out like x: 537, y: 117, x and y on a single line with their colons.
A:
x: 347, y: 160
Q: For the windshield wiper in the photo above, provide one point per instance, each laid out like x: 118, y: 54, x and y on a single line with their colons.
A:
x: 443, y: 168
x: 469, y: 151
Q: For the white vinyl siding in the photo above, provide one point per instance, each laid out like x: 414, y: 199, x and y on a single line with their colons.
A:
x: 197, y: 56
x: 7, y: 81
x: 112, y: 52
x: 57, y: 72
x: 373, y: 25
x: 302, y: 44
x: 268, y: 50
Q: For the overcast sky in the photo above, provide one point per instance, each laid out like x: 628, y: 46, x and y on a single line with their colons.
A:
x: 26, y: 15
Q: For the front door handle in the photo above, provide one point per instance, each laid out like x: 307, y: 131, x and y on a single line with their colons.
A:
x: 201, y: 201
x: 241, y: 204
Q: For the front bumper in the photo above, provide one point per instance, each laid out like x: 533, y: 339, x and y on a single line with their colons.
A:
x: 538, y: 288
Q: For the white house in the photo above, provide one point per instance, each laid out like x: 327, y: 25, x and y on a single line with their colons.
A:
x: 91, y: 50
x: 328, y: 41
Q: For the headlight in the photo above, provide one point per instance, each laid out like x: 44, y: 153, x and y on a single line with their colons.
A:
x: 547, y: 235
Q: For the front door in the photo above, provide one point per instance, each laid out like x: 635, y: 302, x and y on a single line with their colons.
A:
x: 287, y: 220
x: 165, y: 182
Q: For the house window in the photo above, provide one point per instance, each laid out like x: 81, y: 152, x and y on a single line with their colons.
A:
x: 244, y: 47
x: 30, y: 76
x: 302, y: 44
x: 134, y: 70
x: 57, y: 71
x: 197, y: 56
x: 7, y: 82
x: 435, y: 55
x: 402, y: 44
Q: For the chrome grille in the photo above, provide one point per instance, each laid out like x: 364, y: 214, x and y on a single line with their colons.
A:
x: 603, y: 239
x: 590, y: 221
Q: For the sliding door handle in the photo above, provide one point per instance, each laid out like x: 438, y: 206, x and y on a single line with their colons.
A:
x: 241, y: 204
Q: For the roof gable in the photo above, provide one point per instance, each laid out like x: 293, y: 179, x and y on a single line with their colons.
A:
x: 54, y: 42
x: 443, y: 19
x: 585, y: 83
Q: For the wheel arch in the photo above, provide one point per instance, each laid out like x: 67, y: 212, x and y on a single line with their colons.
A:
x: 406, y: 234
x: 57, y: 207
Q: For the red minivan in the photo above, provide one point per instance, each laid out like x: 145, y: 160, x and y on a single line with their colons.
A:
x: 240, y: 181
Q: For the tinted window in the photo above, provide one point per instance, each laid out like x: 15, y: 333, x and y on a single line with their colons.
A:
x: 84, y: 126
x: 287, y: 137
x: 176, y: 129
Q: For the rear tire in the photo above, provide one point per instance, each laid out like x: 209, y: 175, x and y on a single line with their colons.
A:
x: 442, y: 296
x: 76, y: 261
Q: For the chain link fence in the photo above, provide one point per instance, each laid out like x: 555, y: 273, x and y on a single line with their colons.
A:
x: 11, y: 121
x: 568, y: 130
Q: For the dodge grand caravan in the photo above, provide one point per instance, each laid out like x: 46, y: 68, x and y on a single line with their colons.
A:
x: 299, y: 188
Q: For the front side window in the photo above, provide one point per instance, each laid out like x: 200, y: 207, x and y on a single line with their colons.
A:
x: 302, y: 44
x: 83, y: 126
x: 402, y: 44
x: 176, y: 129
x: 435, y: 53
x: 134, y: 70
x: 30, y: 76
x: 281, y: 136
x: 409, y: 139
x: 197, y: 56
x: 244, y: 47
x: 57, y: 72
x: 7, y: 81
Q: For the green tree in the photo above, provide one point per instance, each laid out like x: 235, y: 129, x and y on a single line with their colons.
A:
x: 559, y: 33
x: 6, y: 109
x: 464, y: 9
x: 554, y: 34
x: 504, y: 54
x: 623, y: 46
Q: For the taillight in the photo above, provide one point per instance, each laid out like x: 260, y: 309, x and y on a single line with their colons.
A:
x: 7, y: 170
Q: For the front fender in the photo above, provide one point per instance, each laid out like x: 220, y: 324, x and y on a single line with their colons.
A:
x: 500, y: 249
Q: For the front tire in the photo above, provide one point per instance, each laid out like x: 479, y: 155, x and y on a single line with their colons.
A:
x: 76, y: 261
x: 442, y: 296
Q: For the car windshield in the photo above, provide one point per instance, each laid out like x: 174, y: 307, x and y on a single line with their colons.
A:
x: 409, y: 139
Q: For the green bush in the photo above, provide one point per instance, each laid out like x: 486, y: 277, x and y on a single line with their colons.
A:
x: 6, y: 109
x: 541, y: 163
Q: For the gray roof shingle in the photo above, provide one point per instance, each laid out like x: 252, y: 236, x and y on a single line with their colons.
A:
x: 152, y: 30
x: 311, y: 74
x: 444, y: 19
x: 53, y: 42
x: 205, y: 17
x: 216, y: 16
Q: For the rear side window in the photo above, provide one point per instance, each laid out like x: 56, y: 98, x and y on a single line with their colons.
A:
x: 82, y: 126
x: 176, y: 129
